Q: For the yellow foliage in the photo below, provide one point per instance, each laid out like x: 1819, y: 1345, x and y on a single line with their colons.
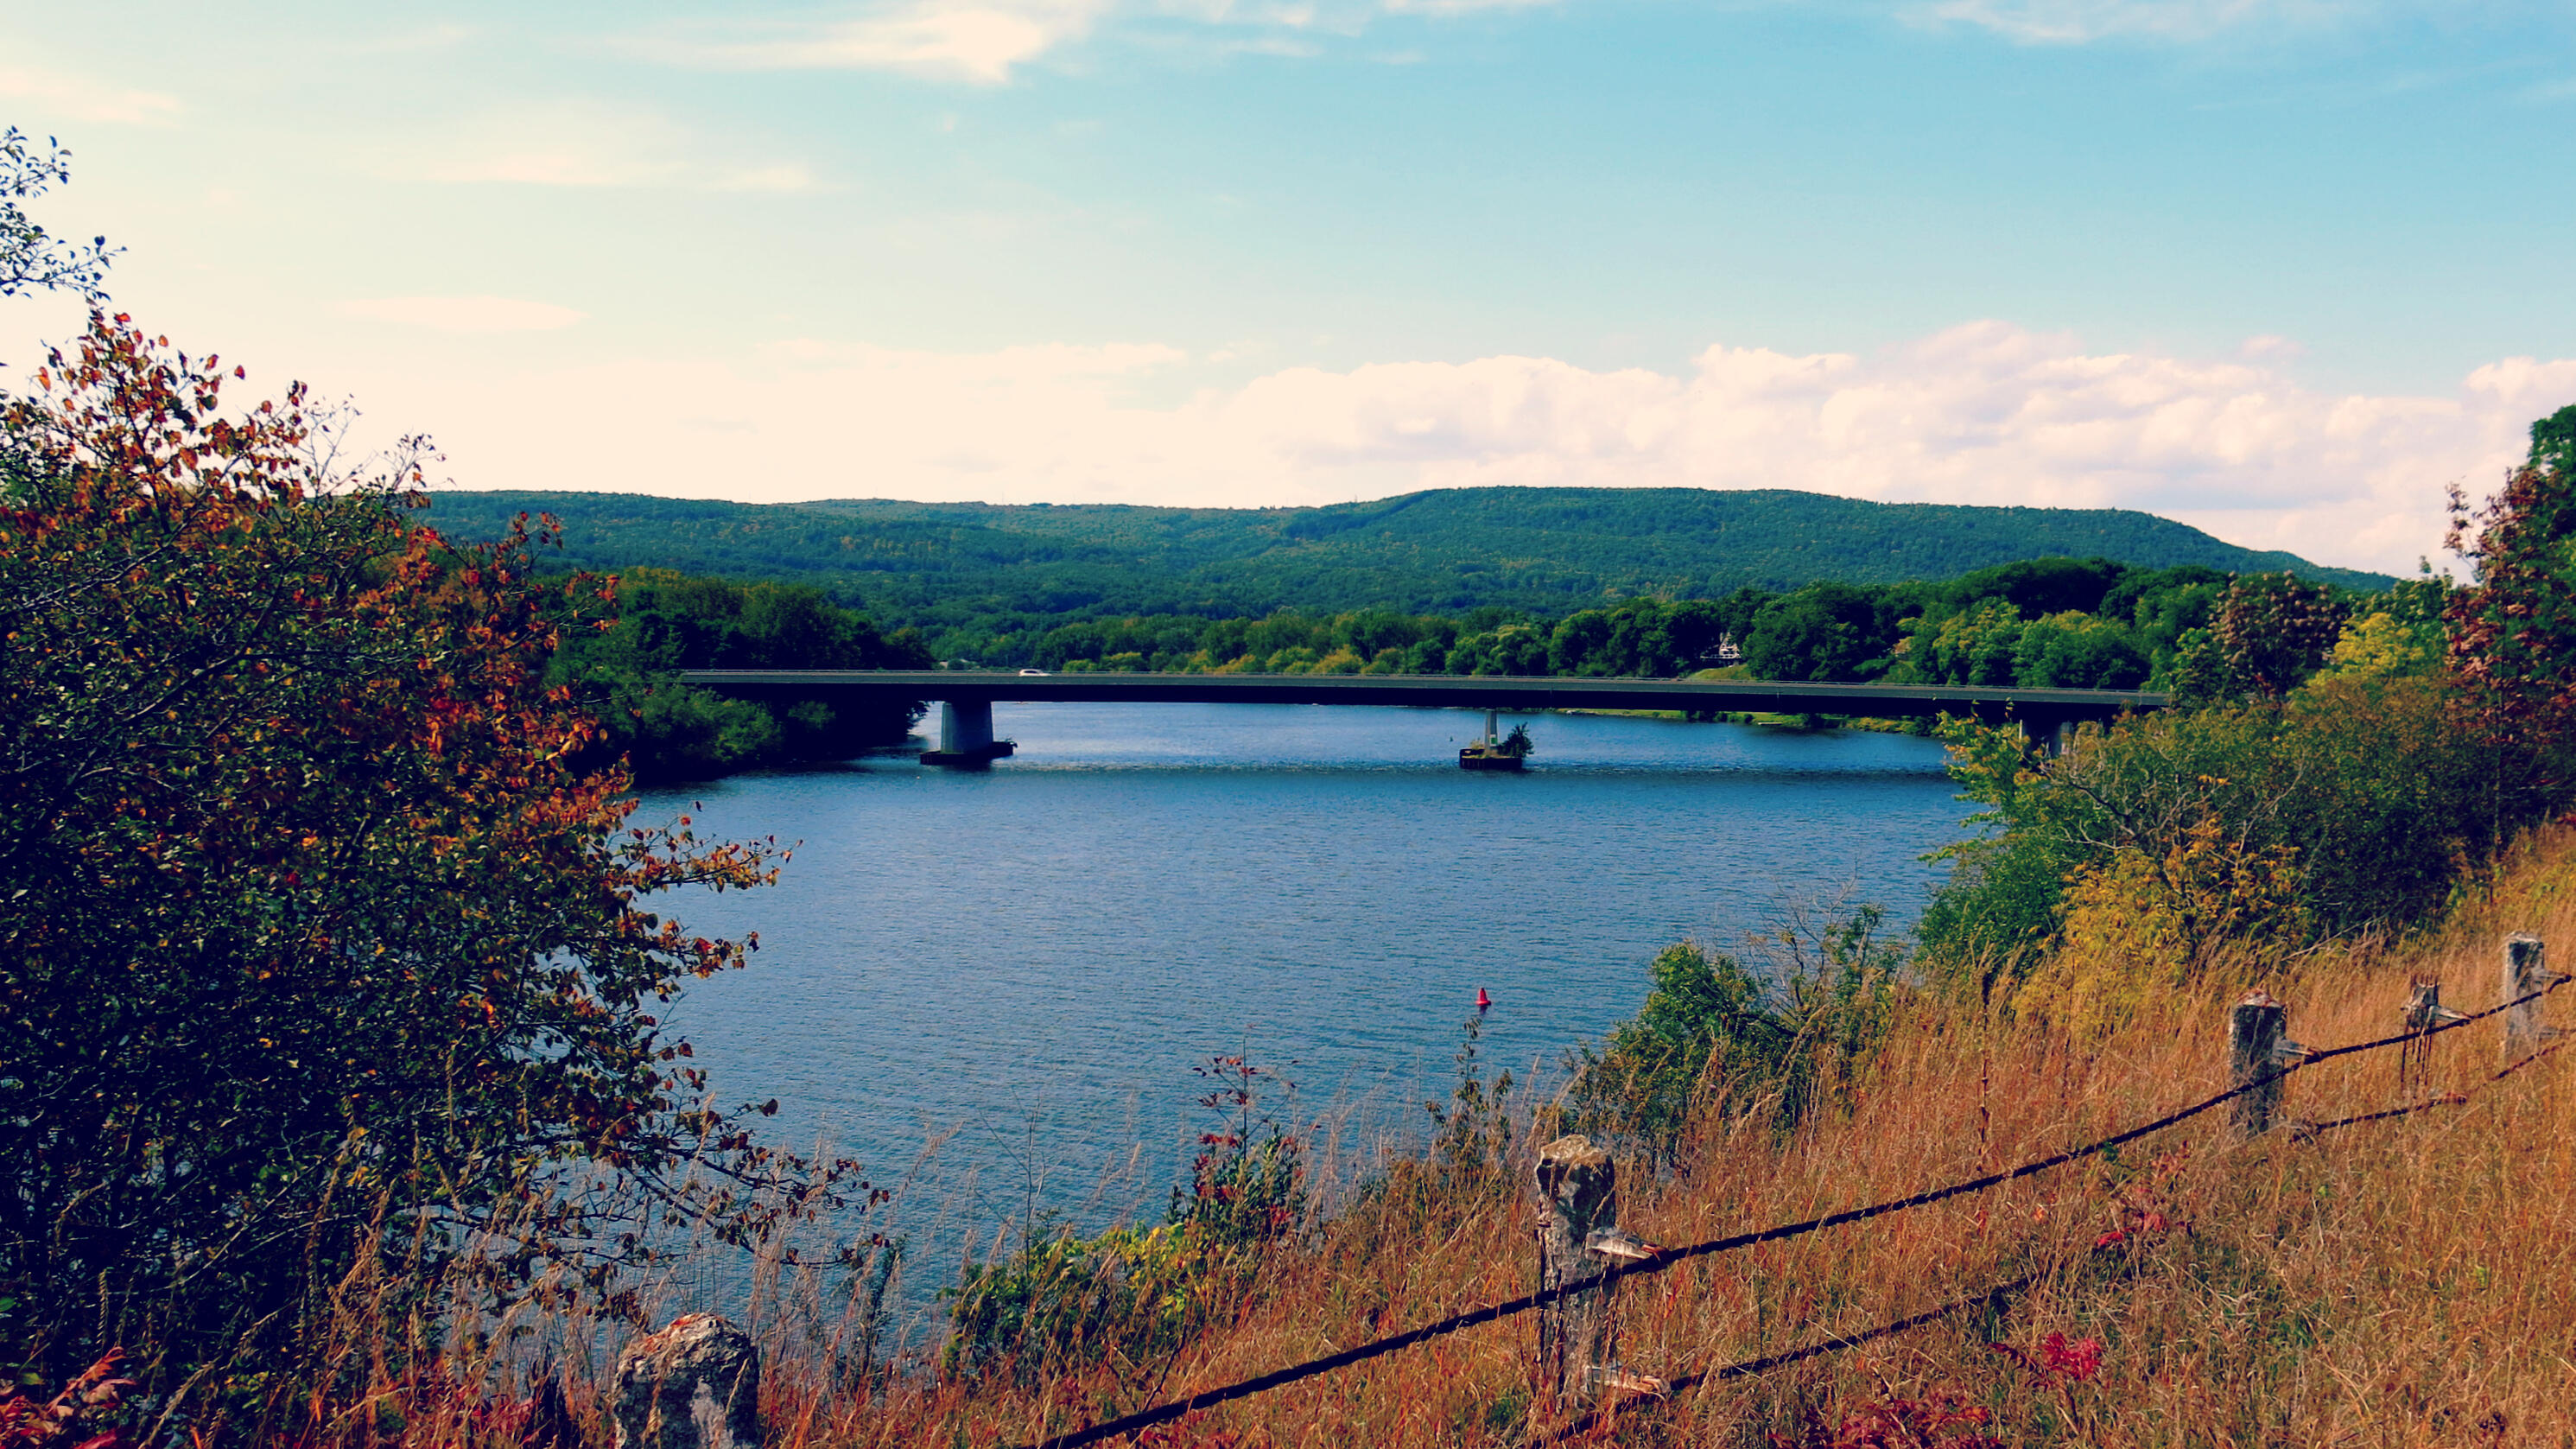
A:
x: 2376, y: 646
x: 2138, y: 926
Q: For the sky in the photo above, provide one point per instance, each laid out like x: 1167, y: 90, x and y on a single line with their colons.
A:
x: 2282, y: 269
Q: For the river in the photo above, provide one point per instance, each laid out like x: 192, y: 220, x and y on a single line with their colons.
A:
x: 1024, y: 964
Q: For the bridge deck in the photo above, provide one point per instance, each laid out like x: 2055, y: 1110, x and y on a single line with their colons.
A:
x: 1452, y: 691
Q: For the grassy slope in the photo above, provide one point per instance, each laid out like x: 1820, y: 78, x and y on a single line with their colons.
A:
x: 1545, y: 549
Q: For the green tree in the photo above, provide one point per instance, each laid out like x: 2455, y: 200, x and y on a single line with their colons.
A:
x: 2039, y: 586
x: 2360, y: 793
x: 31, y: 258
x: 1975, y: 646
x: 2078, y: 651
x: 1580, y: 644
x: 664, y: 622
x: 1688, y: 635
x: 2553, y: 441
x: 1821, y: 632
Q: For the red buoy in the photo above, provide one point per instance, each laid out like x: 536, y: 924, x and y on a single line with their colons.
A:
x: 1483, y: 1002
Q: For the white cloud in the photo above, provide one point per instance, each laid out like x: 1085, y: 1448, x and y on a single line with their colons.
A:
x: 577, y: 143
x: 463, y: 314
x: 2067, y: 22
x: 76, y: 97
x: 986, y: 42
x: 976, y: 41
x: 1458, y: 7
x: 417, y: 40
x: 783, y: 177
x: 1983, y: 413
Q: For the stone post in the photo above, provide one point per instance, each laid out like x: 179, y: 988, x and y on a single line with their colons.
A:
x: 2254, y: 1041
x: 2525, y: 971
x: 1578, y: 1238
x: 694, y: 1385
x: 965, y: 726
x: 1579, y: 1196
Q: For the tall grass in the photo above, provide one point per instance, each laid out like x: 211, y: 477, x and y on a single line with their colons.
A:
x: 2401, y: 1282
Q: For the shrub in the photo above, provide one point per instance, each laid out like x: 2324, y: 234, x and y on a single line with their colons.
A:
x: 1062, y: 1301
x: 2348, y: 807
x: 322, y: 959
x: 1714, y: 1036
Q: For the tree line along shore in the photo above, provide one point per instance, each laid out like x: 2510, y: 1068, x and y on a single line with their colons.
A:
x: 2039, y: 623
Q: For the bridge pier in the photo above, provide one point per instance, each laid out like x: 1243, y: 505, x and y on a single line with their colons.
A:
x: 2051, y: 735
x: 966, y: 735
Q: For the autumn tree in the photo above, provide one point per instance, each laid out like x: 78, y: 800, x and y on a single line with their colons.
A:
x: 2512, y: 633
x: 324, y: 961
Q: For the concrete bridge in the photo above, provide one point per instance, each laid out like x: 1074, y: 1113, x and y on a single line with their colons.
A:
x: 966, y: 696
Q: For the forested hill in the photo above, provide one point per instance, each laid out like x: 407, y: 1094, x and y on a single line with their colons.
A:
x: 1540, y: 549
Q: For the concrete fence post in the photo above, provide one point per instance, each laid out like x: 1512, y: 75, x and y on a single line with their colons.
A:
x: 694, y: 1385
x: 2255, y: 1042
x: 2526, y: 970
x: 1578, y: 1239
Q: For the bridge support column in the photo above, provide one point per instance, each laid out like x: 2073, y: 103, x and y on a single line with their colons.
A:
x: 964, y: 725
x: 966, y: 735
x: 2051, y: 735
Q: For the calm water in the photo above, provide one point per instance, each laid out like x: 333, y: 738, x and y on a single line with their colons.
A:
x: 1039, y: 954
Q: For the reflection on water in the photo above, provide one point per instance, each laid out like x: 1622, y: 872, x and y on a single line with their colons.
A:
x: 1034, y: 957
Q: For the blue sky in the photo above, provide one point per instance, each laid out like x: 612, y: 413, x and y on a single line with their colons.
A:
x: 2283, y: 270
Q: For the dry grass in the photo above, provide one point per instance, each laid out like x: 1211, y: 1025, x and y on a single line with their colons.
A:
x: 2395, y: 1283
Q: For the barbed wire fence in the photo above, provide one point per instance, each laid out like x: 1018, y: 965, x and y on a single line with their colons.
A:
x: 2261, y: 1060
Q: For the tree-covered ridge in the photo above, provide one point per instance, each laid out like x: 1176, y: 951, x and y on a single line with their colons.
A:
x: 1545, y: 550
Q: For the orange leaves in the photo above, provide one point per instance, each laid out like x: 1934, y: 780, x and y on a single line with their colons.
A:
x: 96, y: 1393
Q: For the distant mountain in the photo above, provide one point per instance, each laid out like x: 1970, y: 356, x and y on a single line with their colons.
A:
x: 1544, y: 549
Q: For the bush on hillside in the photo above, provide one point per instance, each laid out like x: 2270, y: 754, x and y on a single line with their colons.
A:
x: 324, y: 968
x: 1717, y: 1037
x: 1061, y: 1301
x: 2347, y: 808
x: 2335, y: 768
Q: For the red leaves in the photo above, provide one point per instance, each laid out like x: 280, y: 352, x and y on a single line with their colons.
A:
x: 2078, y: 1360
x: 2059, y: 1364
x: 29, y: 1423
x: 1941, y: 1419
x: 2514, y: 631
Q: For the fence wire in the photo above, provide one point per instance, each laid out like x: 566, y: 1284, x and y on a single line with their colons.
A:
x: 1669, y: 1257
